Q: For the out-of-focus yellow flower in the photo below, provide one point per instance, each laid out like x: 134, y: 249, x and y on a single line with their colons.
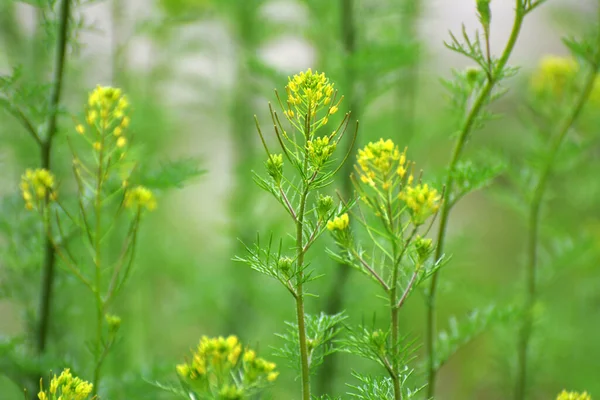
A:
x: 554, y: 75
x: 564, y: 395
x: 66, y: 387
x: 422, y: 201
x: 339, y: 223
x: 140, y: 197
x: 36, y: 185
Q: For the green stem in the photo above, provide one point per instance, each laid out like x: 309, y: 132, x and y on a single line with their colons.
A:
x: 465, y: 130
x: 98, y: 262
x: 534, y: 225
x: 49, y: 261
x: 300, y: 298
x: 335, y: 299
x: 395, y: 328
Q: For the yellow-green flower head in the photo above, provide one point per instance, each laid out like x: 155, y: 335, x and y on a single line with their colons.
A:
x: 422, y: 202
x: 66, y: 387
x: 308, y: 91
x: 554, y: 75
x: 424, y: 247
x: 220, y: 358
x: 275, y: 167
x: 564, y: 395
x: 231, y: 392
x: 140, y: 197
x: 36, y: 185
x: 380, y: 163
x: 320, y: 150
x: 339, y: 223
x: 107, y: 107
x: 113, y: 321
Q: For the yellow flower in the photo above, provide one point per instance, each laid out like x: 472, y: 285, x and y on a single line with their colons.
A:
x: 422, y: 201
x: 80, y: 129
x: 564, y: 395
x: 66, y: 387
x: 121, y: 142
x: 554, y: 75
x: 97, y: 146
x: 272, y: 376
x: 36, y: 185
x: 339, y: 223
x: 140, y: 197
x: 379, y: 163
x: 309, y: 91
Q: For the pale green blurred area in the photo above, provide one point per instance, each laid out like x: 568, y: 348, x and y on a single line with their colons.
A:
x: 196, y: 72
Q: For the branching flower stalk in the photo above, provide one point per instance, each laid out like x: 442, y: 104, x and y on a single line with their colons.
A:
x: 553, y: 73
x: 311, y: 101
x: 398, y: 261
x: 101, y: 174
x: 495, y: 70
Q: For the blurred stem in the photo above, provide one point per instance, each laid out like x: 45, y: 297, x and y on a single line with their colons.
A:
x: 464, y: 132
x: 300, y: 295
x: 335, y: 298
x: 46, y: 149
x: 98, y: 260
x: 116, y: 47
x: 394, y: 322
x: 9, y: 30
x: 409, y: 86
x: 534, y: 226
x: 244, y: 155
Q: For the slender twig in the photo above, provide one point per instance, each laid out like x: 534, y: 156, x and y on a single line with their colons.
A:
x: 467, y: 127
x: 534, y: 225
x: 48, y: 272
x: 371, y: 270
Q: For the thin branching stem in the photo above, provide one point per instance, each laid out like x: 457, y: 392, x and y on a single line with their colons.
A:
x: 534, y: 226
x: 467, y: 127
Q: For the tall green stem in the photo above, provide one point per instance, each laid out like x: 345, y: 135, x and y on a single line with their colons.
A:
x: 394, y: 322
x: 45, y: 156
x: 98, y: 262
x: 335, y: 299
x: 465, y: 130
x: 300, y: 298
x: 534, y: 226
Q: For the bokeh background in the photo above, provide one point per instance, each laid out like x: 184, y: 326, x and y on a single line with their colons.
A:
x: 197, y: 71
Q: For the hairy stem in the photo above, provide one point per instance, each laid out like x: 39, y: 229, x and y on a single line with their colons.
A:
x: 534, y: 226
x: 465, y: 130
x: 300, y: 299
x: 49, y: 260
x: 335, y: 299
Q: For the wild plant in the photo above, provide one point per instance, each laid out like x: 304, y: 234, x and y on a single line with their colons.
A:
x: 308, y: 147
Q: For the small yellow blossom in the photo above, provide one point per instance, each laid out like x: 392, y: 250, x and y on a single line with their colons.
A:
x: 380, y: 163
x: 117, y: 131
x: 66, y: 387
x: 97, y: 146
x: 140, y: 197
x: 121, y: 142
x: 309, y: 92
x: 80, y: 129
x: 36, y: 185
x: 320, y: 150
x: 125, y: 122
x: 564, y: 395
x: 422, y: 201
x: 339, y: 223
x: 554, y: 75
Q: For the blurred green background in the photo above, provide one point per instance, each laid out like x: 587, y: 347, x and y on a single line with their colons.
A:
x: 196, y: 72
